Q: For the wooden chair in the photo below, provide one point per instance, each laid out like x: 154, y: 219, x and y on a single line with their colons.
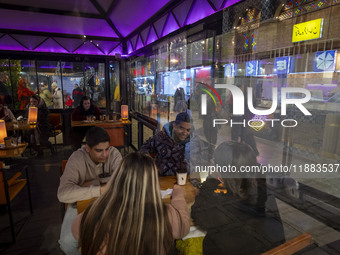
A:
x: 117, y: 135
x: 292, y: 246
x: 56, y: 123
x: 9, y: 189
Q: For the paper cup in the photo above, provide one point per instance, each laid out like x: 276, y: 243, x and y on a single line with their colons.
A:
x: 181, y: 178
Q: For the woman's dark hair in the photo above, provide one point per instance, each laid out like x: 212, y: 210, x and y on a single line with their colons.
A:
x: 96, y: 135
x: 182, y: 117
x: 83, y: 99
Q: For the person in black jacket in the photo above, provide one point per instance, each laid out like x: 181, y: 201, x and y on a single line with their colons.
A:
x: 43, y: 129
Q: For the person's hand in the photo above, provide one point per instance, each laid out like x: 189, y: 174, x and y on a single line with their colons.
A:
x: 87, y: 184
x: 102, y: 188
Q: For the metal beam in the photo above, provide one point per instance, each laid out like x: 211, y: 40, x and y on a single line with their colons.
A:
x: 166, y: 8
x: 72, y: 36
x: 212, y: 6
x: 107, y: 19
x: 112, y: 5
x: 50, y: 11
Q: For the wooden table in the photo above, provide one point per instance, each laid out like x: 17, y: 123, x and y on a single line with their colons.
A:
x: 165, y: 182
x: 18, y: 127
x: 13, y: 151
x: 85, y: 123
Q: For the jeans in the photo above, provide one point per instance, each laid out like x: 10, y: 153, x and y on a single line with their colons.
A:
x: 68, y: 243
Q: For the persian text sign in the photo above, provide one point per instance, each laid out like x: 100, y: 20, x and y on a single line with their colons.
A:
x: 307, y: 30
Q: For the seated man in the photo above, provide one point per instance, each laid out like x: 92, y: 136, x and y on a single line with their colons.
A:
x: 171, y: 145
x: 80, y: 179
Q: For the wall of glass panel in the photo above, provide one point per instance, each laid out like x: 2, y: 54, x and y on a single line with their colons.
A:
x: 258, y: 58
x: 165, y: 91
x: 56, y: 82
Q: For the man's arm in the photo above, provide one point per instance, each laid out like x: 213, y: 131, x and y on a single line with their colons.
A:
x: 149, y: 146
x: 71, y: 184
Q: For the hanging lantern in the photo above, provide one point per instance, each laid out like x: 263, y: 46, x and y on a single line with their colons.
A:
x: 3, y: 132
x: 32, y: 115
x: 124, y: 112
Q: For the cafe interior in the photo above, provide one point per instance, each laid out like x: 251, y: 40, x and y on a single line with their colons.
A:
x: 142, y: 63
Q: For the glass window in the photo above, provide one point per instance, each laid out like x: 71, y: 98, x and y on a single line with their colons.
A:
x: 73, y: 83
x: 6, y: 92
x: 50, y: 85
x: 114, y: 86
x: 27, y: 81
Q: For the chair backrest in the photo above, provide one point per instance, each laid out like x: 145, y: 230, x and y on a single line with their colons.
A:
x: 14, y: 186
x: 116, y: 134
x: 55, y: 120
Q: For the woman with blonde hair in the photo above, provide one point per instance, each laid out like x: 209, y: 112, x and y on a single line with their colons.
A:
x: 130, y: 217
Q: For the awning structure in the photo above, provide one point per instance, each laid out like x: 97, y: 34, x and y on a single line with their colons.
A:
x: 96, y: 27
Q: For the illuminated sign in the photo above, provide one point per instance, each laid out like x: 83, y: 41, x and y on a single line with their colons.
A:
x: 324, y: 61
x: 307, y: 30
x: 229, y: 70
x: 251, y: 68
x: 281, y: 65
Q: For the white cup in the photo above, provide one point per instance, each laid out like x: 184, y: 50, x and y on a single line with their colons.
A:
x: 181, y: 178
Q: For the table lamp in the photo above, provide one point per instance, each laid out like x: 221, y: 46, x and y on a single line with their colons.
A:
x: 32, y: 115
x: 124, y: 112
x: 3, y: 132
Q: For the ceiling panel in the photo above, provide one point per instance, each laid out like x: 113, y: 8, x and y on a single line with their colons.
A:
x: 117, y: 50
x: 70, y: 44
x: 139, y: 43
x: 105, y: 4
x: 129, y: 47
x: 133, y: 41
x: 42, y: 22
x: 152, y: 36
x: 63, y: 5
x: 170, y: 26
x: 51, y: 46
x: 159, y: 25
x: 8, y: 43
x: 88, y: 48
x: 217, y: 3
x: 230, y: 3
x: 130, y: 14
x: 145, y: 34
x: 30, y: 41
x: 200, y: 10
x: 181, y: 11
x: 106, y: 46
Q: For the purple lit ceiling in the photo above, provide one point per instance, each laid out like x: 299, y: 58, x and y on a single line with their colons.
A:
x: 96, y: 27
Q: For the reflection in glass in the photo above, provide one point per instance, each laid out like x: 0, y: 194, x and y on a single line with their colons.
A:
x: 48, y: 76
x: 95, y: 83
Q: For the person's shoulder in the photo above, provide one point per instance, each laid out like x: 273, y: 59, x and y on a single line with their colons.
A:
x: 77, y: 109
x: 78, y: 154
x: 114, y: 151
